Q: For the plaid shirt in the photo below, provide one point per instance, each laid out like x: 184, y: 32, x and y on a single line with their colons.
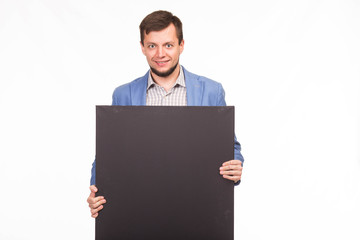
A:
x: 157, y: 96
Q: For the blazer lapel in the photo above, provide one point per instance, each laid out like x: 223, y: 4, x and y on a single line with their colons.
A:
x: 138, y: 91
x: 194, y: 89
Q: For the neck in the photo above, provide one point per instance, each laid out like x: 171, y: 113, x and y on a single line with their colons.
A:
x: 169, y: 81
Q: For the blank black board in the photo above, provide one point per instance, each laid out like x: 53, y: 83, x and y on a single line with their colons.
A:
x: 158, y: 168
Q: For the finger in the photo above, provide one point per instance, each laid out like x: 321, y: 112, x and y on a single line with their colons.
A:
x: 91, y: 196
x: 233, y: 173
x: 226, y: 163
x: 93, y: 200
x: 232, y: 162
x: 93, y: 188
x: 97, y: 204
x: 231, y: 167
x: 233, y: 178
x: 96, y: 210
x: 94, y: 215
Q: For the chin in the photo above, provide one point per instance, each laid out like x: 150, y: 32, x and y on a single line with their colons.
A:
x: 164, y: 72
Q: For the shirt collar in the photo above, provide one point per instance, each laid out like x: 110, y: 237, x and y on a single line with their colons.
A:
x: 179, y: 81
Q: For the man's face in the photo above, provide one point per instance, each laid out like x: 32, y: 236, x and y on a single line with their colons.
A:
x: 162, y: 51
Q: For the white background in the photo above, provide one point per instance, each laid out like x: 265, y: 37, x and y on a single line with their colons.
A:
x: 291, y: 68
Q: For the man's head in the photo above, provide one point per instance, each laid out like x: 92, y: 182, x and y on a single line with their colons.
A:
x: 162, y: 43
x: 159, y: 20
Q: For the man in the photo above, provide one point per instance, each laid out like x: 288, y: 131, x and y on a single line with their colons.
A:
x: 168, y: 83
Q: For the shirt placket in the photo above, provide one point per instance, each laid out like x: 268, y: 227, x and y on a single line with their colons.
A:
x: 166, y: 97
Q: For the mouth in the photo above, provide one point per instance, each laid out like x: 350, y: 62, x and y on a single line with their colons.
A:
x: 161, y: 63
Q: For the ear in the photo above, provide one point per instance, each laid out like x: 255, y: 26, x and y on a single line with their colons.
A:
x: 142, y: 48
x: 182, y: 46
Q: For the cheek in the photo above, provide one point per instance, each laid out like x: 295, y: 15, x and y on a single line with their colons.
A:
x: 174, y: 53
x: 149, y: 54
x: 149, y: 59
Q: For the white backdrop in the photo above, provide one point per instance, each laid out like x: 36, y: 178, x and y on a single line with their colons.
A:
x: 291, y: 68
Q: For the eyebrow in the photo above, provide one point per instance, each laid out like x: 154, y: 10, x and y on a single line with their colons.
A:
x: 152, y: 43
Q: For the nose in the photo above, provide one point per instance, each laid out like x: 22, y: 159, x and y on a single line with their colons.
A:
x: 161, y: 52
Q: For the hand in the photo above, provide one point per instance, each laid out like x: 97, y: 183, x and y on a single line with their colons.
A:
x: 95, y: 203
x: 232, y: 170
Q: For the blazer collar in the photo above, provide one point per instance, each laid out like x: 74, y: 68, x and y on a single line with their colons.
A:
x: 194, y: 89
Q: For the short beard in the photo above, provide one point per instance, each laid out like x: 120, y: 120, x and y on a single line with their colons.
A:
x: 164, y: 74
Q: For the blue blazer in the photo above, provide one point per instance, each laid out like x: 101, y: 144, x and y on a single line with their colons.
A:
x: 200, y: 91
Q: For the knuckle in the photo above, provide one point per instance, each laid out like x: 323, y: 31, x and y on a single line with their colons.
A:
x: 95, y: 210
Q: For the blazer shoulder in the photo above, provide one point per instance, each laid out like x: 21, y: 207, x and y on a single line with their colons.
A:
x: 122, y: 94
x: 210, y: 83
x: 207, y: 82
x: 204, y: 91
x: 214, y: 93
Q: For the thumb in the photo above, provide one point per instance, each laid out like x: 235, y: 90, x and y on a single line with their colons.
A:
x: 93, y: 190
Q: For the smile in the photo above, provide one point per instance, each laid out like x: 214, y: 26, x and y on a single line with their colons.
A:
x: 161, y: 63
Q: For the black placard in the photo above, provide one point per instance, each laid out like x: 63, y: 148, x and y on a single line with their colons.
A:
x: 158, y: 168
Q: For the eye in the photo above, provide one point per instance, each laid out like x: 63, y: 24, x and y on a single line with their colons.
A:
x: 151, y: 46
x: 169, y: 45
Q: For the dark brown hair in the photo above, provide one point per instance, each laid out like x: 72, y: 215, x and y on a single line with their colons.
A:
x: 159, y: 20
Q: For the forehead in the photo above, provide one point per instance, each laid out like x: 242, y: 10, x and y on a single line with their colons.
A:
x: 167, y: 34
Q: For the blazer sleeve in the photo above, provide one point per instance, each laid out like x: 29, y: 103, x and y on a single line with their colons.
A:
x: 221, y: 102
x: 93, y: 173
